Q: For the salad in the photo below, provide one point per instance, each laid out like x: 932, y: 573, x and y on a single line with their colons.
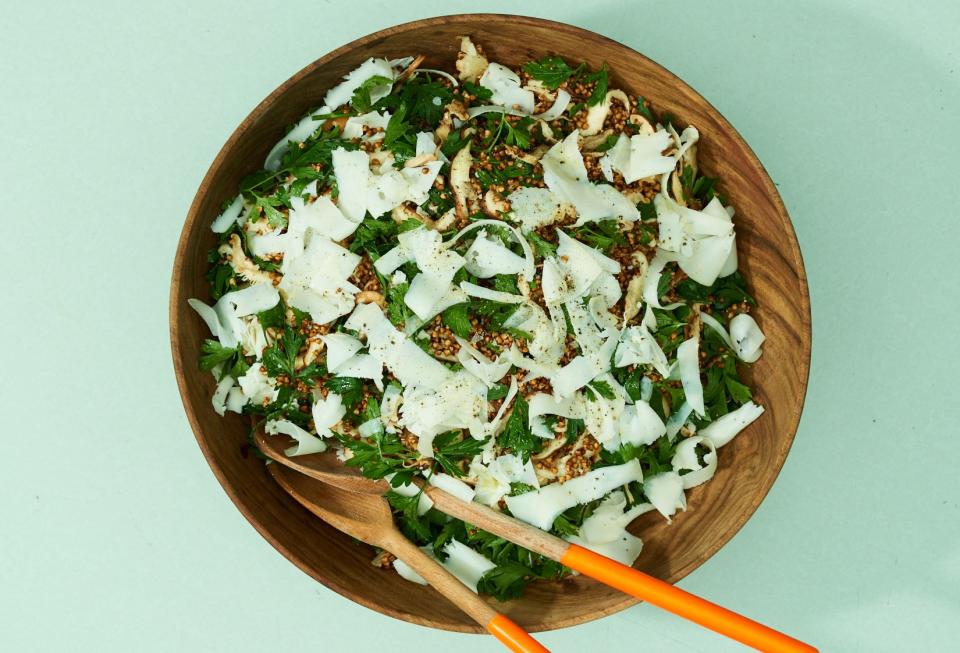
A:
x: 513, y: 283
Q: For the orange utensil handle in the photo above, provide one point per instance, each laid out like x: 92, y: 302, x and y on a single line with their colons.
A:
x: 675, y: 600
x: 513, y: 636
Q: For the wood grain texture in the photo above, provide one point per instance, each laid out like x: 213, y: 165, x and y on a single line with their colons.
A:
x: 769, y: 257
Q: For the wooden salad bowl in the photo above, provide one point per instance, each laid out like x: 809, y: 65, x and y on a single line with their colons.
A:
x: 769, y: 257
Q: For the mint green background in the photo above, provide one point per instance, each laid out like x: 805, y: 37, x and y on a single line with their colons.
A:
x: 118, y: 538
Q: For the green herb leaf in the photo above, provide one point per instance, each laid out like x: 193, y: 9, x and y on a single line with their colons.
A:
x: 213, y: 354
x: 517, y: 435
x: 505, y: 581
x: 281, y: 358
x: 603, y: 235
x: 361, y: 97
x: 457, y: 319
x: 374, y: 235
x: 574, y: 428
x: 497, y: 391
x: 602, y: 80
x: 413, y: 526
x: 479, y: 92
x: 453, y: 447
x: 552, y: 71
x: 542, y: 248
x: 517, y: 488
x: 599, y: 388
x: 349, y: 388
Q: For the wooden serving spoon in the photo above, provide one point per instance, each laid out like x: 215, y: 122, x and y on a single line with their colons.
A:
x: 368, y: 518
x: 327, y: 468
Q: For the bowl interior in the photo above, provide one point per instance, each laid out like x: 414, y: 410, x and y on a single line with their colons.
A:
x: 769, y: 257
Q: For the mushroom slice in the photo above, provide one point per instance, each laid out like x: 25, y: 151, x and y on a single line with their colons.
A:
x: 403, y: 212
x: 242, y: 264
x: 446, y: 220
x: 453, y: 110
x: 644, y: 126
x: 634, y: 296
x: 470, y: 62
x: 592, y: 142
x: 598, y: 113
x: 494, y: 204
x: 410, y: 69
x: 463, y: 191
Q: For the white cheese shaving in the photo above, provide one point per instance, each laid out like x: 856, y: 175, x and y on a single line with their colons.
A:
x: 441, y: 73
x: 354, y: 127
x: 536, y: 207
x: 543, y: 404
x: 363, y: 366
x: 583, y: 369
x: 701, y: 241
x: 321, y: 216
x: 725, y: 428
x: 625, y: 549
x: 652, y: 281
x: 677, y: 419
x: 411, y: 365
x: 747, y: 345
x: 505, y: 87
x: 386, y: 191
x: 638, y: 347
x: 352, y: 172
x: 224, y: 318
x: 452, y: 485
x: 257, y: 387
x: 565, y: 174
x: 609, y: 519
x: 390, y: 407
x: 639, y: 156
x: 317, y: 280
x: 230, y: 214
x: 370, y: 428
x: 665, y: 492
x: 460, y: 402
x: 437, y: 264
x: 488, y: 371
x: 307, y: 443
x: 493, y: 480
x: 253, y: 299
x: 542, y: 507
x: 473, y: 290
x: 556, y: 110
x: 420, y: 180
x: 530, y: 269
x: 220, y: 394
x: 494, y: 426
x: 340, y: 348
x: 685, y: 458
x: 487, y: 256
x: 236, y: 400
x: 603, y: 415
x: 465, y: 563
x: 577, y: 270
x: 688, y: 363
x: 209, y: 316
x: 747, y: 337
x: 303, y: 130
x: 473, y: 112
x: 343, y: 92
x: 327, y: 413
x: 640, y: 425
x: 406, y: 572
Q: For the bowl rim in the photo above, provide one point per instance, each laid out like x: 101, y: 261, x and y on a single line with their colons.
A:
x: 793, y: 254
